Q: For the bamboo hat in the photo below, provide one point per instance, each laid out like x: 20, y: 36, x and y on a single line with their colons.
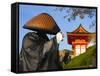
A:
x: 43, y: 23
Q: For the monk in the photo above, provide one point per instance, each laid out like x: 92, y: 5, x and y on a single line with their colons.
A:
x: 38, y: 53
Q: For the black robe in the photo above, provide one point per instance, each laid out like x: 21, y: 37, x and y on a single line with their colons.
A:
x: 38, y: 53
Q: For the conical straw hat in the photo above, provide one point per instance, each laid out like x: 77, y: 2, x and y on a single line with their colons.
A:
x: 43, y: 23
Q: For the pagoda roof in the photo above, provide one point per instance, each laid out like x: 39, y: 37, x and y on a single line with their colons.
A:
x: 79, y: 30
x: 79, y: 33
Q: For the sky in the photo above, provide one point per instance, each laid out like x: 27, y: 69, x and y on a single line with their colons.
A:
x: 26, y: 12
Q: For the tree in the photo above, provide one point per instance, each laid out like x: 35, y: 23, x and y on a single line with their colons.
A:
x: 71, y: 13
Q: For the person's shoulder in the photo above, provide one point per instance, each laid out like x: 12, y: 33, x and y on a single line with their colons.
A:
x: 31, y: 35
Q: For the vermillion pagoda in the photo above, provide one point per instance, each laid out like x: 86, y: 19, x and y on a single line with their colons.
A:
x: 79, y: 39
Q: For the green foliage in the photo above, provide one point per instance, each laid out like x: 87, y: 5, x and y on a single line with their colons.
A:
x: 84, y: 60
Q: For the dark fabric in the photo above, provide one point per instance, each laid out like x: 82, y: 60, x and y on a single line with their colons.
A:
x: 38, y: 53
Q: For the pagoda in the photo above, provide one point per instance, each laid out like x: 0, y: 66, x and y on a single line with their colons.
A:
x: 79, y: 39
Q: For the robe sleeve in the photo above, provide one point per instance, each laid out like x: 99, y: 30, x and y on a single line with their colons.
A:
x: 50, y: 45
x: 50, y: 58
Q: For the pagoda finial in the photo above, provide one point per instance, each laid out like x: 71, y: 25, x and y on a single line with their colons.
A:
x: 80, y: 25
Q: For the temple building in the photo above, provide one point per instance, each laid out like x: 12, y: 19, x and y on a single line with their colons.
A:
x: 79, y: 39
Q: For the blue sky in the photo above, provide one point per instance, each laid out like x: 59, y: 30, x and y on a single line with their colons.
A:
x: 26, y: 12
